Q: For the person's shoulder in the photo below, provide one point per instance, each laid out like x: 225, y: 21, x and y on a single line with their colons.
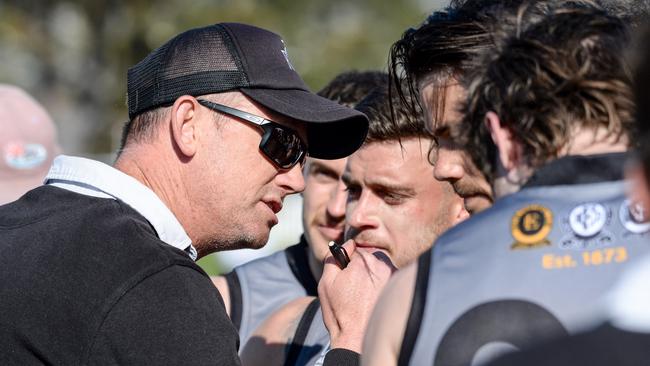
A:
x: 268, y: 344
x: 476, y: 225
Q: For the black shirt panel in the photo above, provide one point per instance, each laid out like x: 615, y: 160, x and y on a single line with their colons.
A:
x: 302, y: 330
x: 70, y: 268
x: 342, y: 357
x: 236, y: 302
x: 580, y: 169
x: 603, y: 346
x: 417, y: 309
x: 298, y: 259
x: 181, y: 313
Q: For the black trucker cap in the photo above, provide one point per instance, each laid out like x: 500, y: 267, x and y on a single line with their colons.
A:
x: 232, y: 56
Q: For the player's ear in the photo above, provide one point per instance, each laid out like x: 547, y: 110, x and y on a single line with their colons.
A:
x: 510, y: 151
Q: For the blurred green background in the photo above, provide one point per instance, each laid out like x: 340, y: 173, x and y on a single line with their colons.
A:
x: 73, y: 55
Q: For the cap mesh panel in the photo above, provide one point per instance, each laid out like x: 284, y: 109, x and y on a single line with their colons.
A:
x: 196, y: 62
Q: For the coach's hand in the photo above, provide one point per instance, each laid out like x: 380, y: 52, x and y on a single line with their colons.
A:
x: 348, y: 296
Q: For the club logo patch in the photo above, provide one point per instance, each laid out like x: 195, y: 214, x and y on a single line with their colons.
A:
x: 633, y: 217
x: 586, y: 227
x: 21, y: 156
x: 530, y: 226
x: 588, y: 219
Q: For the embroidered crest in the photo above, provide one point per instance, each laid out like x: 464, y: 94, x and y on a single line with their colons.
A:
x: 530, y: 226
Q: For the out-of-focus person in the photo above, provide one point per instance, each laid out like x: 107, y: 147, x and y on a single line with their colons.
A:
x: 255, y: 290
x: 28, y: 143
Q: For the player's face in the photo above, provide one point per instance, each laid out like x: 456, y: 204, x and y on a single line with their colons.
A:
x: 452, y: 164
x: 395, y: 205
x: 323, y: 210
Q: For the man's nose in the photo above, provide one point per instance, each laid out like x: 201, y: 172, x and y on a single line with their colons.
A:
x: 291, y: 180
x: 337, y: 201
x: 448, y: 165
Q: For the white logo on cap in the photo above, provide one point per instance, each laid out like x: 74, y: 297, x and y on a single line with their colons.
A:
x: 633, y: 217
x: 588, y: 219
x: 23, y: 156
x: 286, y: 55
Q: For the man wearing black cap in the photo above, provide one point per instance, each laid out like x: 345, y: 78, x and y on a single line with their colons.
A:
x: 97, y: 266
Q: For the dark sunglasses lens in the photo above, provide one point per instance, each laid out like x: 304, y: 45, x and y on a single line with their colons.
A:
x: 283, y: 146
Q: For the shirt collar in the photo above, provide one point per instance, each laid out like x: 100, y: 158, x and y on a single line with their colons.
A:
x: 94, y: 178
x: 580, y: 169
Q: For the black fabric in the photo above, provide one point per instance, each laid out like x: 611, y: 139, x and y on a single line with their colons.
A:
x: 298, y: 259
x: 86, y: 281
x: 417, y: 309
x: 236, y: 302
x: 301, y: 333
x: 342, y: 357
x: 232, y: 56
x: 580, y: 169
x: 604, y: 346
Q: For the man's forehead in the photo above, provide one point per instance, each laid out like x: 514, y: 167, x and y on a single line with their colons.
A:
x: 385, y: 162
x: 441, y: 102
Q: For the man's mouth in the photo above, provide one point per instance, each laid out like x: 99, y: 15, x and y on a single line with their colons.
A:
x: 370, y: 247
x: 334, y: 233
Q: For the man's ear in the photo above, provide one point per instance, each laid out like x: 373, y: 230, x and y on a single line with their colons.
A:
x: 510, y: 151
x: 184, y: 127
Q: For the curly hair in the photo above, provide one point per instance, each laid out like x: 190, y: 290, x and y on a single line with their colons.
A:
x: 555, y: 67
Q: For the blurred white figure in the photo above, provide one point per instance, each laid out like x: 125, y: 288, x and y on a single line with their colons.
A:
x: 28, y: 143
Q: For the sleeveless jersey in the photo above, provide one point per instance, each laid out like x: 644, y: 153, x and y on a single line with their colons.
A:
x: 260, y: 287
x: 535, y: 265
x: 311, y: 340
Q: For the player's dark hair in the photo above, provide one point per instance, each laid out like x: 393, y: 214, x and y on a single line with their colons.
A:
x: 555, y: 67
x: 440, y: 51
x: 350, y: 87
x: 389, y: 120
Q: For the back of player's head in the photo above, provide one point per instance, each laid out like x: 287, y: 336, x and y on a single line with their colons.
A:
x: 389, y: 120
x: 555, y: 68
x: 350, y: 87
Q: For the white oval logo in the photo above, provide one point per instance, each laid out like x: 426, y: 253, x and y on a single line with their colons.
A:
x: 588, y: 219
x: 633, y: 217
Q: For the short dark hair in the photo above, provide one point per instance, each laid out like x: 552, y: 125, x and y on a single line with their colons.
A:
x: 390, y: 121
x: 555, y: 67
x: 350, y: 87
x: 441, y: 49
x: 142, y: 127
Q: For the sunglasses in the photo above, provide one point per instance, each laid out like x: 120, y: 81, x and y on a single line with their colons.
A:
x: 280, y: 144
